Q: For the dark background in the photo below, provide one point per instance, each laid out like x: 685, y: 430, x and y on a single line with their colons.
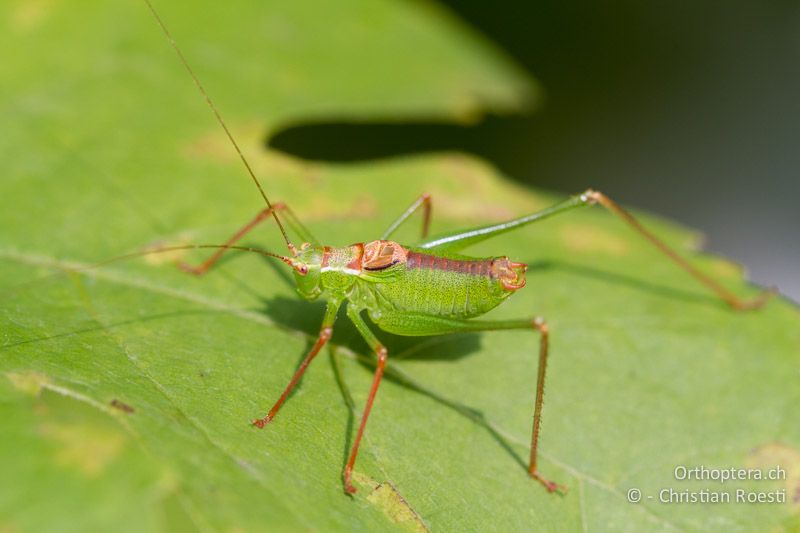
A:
x: 690, y: 110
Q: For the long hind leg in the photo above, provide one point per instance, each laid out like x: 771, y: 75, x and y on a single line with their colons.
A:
x: 382, y: 355
x: 456, y: 241
x: 731, y: 299
x: 420, y: 324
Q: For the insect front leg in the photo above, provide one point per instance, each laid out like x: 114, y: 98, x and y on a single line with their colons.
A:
x: 382, y: 355
x: 324, y: 336
x: 264, y: 214
x: 423, y: 201
x: 421, y: 324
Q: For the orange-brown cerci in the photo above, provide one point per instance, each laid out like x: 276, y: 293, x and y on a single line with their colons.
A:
x: 510, y: 274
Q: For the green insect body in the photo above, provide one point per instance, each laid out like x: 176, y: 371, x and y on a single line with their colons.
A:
x: 425, y: 289
x: 391, y: 282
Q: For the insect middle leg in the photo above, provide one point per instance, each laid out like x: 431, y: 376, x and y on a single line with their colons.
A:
x: 424, y: 201
x: 262, y: 215
x: 421, y: 324
x: 382, y: 355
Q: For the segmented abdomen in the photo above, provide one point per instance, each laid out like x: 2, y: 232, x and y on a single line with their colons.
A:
x: 474, y: 267
x: 457, y: 287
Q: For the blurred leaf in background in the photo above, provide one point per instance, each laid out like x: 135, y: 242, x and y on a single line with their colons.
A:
x: 127, y: 390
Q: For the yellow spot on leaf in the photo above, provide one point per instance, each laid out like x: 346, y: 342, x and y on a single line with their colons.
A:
x: 85, y: 447
x: 28, y: 382
x: 467, y: 108
x: 585, y: 238
x: 214, y: 145
x: 723, y: 268
x: 359, y: 207
x: 8, y: 527
x: 386, y: 498
x: 161, y: 258
x: 29, y: 14
x: 469, y: 190
x: 777, y: 455
x: 283, y: 171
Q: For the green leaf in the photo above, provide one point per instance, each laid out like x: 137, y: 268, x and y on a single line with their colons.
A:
x: 127, y: 390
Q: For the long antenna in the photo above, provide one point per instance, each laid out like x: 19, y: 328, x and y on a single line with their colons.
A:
x: 221, y: 122
x: 292, y: 262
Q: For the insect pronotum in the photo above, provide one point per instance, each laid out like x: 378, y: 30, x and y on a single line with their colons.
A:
x: 427, y: 288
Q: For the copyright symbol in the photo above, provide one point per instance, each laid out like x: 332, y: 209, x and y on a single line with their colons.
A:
x: 634, y: 495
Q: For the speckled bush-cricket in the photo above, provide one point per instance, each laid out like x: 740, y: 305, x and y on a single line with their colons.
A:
x: 428, y: 288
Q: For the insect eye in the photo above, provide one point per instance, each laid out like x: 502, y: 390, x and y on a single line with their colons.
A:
x: 302, y: 270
